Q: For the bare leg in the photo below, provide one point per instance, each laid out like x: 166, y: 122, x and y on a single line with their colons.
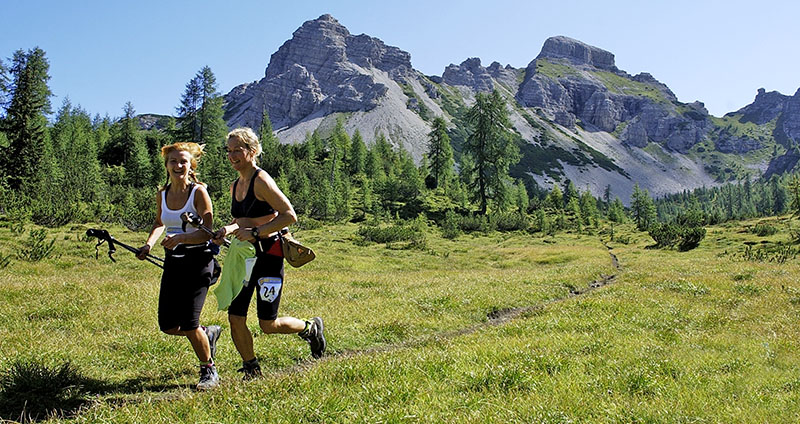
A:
x: 197, y: 338
x: 282, y: 325
x: 242, y: 338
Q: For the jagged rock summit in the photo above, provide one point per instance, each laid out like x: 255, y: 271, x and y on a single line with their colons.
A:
x: 579, y: 53
x: 322, y: 69
x: 576, y: 115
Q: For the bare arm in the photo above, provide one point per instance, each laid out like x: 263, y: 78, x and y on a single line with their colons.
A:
x: 155, y: 231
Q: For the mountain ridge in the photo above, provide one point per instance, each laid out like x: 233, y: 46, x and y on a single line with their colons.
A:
x: 576, y: 115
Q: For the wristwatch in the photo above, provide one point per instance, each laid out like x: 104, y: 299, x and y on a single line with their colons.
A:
x: 254, y: 231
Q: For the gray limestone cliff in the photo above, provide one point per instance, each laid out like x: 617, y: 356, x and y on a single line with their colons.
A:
x: 322, y: 69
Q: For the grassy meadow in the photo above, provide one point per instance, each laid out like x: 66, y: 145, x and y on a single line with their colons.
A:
x: 499, y: 327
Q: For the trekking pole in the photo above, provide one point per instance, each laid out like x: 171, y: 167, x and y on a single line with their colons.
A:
x: 196, y: 221
x: 104, y: 237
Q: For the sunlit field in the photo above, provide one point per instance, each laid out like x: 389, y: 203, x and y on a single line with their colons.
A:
x: 500, y: 327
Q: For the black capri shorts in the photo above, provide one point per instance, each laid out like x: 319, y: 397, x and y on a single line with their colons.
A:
x: 188, y: 272
x: 266, y: 279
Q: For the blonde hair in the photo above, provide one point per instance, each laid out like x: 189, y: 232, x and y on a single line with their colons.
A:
x: 248, y: 138
x: 194, y: 149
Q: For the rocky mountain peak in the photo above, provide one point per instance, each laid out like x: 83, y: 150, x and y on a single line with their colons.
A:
x: 766, y: 107
x: 471, y: 73
x: 321, y: 70
x: 577, y: 52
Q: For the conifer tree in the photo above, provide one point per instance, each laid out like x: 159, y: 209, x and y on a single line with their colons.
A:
x: 491, y: 147
x: 188, y: 121
x: 440, y: 153
x: 132, y: 146
x: 23, y: 161
x: 270, y: 159
x: 358, y: 154
x: 642, y: 208
x: 556, y: 198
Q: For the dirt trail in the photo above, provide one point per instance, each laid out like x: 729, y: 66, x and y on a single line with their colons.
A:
x: 495, y: 318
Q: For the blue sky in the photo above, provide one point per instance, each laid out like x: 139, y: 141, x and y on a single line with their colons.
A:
x: 105, y: 53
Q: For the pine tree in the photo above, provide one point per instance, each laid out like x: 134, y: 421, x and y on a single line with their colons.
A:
x: 556, y: 198
x: 188, y: 120
x: 491, y: 147
x: 642, y: 208
x: 212, y: 130
x: 358, y: 154
x: 270, y: 159
x: 132, y: 146
x: 440, y: 153
x: 23, y: 161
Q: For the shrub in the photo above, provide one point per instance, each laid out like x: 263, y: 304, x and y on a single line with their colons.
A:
x: 691, y: 237
x: 37, y: 247
x: 450, y: 229
x: 513, y: 221
x: 31, y: 390
x: 665, y: 235
x: 411, y: 232
x: 763, y: 229
x: 5, y: 260
x: 470, y: 223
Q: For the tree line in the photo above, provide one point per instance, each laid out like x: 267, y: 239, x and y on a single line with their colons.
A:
x: 80, y: 168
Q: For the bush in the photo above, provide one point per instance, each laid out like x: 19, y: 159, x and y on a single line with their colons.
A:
x: 37, y: 247
x: 668, y: 235
x: 30, y: 390
x: 450, y: 229
x: 691, y: 237
x: 513, y: 221
x: 470, y: 223
x: 412, y: 232
x: 665, y: 235
x: 763, y: 229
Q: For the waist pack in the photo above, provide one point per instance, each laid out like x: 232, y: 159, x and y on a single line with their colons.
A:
x: 294, y: 252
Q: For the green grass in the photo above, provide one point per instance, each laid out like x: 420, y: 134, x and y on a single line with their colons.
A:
x: 699, y: 336
x: 555, y: 70
x: 620, y: 85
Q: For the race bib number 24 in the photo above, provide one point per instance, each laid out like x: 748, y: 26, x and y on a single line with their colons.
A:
x: 269, y: 288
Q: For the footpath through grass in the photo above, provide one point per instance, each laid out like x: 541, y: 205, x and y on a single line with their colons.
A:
x: 699, y: 336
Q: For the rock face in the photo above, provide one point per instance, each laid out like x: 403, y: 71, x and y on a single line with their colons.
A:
x: 321, y: 70
x: 471, y: 74
x: 576, y: 114
x: 572, y: 82
x: 578, y: 53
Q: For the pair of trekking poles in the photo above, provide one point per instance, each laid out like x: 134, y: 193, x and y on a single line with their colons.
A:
x: 187, y: 218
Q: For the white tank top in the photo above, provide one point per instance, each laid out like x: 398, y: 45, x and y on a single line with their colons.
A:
x: 171, y: 218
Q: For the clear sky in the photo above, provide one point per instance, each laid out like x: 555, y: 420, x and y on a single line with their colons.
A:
x: 105, y: 53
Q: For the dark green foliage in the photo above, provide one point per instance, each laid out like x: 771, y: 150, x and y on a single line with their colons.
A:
x: 492, y: 149
x: 449, y: 226
x: 642, y: 208
x: 440, y: 153
x: 665, y: 234
x: 36, y: 246
x: 412, y: 231
x: 691, y: 237
x: 509, y: 221
x: 31, y: 390
x: 763, y: 229
x: 26, y: 161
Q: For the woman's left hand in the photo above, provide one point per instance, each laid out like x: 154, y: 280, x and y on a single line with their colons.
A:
x: 172, y: 241
x: 244, y: 234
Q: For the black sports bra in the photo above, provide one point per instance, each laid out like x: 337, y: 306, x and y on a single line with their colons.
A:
x: 250, y: 207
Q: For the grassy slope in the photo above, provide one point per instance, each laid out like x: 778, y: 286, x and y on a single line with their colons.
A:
x: 677, y: 337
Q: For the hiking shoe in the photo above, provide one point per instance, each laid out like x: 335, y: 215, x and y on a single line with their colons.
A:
x: 251, y: 369
x: 315, y: 337
x: 208, y: 377
x: 213, y: 331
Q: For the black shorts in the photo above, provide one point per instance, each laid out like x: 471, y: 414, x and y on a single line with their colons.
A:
x: 267, y: 280
x: 188, y: 272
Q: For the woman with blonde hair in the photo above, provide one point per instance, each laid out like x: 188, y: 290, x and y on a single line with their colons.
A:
x: 261, y: 211
x: 189, y: 264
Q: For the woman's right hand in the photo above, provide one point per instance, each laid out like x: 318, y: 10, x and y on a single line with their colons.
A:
x: 143, y: 252
x: 219, y: 236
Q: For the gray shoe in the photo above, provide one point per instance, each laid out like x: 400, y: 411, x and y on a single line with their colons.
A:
x: 213, y: 332
x: 315, y: 336
x: 208, y: 377
x: 251, y: 369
